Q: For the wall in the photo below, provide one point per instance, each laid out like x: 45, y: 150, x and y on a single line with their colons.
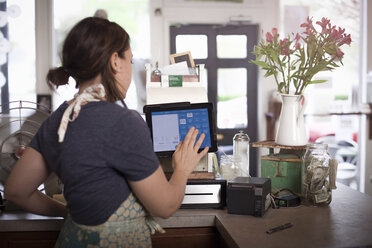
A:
x: 368, y: 146
x: 265, y: 13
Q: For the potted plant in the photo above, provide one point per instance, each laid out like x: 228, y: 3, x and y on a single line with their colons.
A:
x: 293, y: 61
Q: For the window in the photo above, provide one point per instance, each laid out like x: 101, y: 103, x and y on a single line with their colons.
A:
x: 131, y: 15
x: 232, y: 101
x: 17, y: 55
x: 340, y: 93
x: 231, y: 46
x: 197, y: 44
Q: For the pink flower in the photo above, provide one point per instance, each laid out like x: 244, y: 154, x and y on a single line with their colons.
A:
x: 301, y: 53
x: 336, y: 35
x: 269, y: 37
x: 346, y: 40
x: 324, y: 23
x: 284, y: 46
x: 339, y: 53
x: 308, y: 25
x: 297, y: 41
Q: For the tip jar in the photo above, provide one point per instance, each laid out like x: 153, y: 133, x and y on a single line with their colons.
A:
x: 316, y: 180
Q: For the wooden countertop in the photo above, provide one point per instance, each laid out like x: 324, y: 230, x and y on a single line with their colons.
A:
x: 346, y: 222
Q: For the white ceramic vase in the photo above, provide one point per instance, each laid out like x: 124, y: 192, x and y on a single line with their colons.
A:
x: 291, y: 130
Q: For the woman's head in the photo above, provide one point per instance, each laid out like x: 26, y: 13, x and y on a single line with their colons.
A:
x: 90, y: 50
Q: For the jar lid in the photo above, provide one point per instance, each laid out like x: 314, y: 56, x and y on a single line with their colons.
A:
x: 241, y: 136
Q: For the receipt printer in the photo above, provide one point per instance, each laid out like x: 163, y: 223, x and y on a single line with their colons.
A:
x: 248, y: 195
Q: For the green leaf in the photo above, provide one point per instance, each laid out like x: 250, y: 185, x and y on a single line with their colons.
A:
x: 269, y: 73
x: 262, y: 64
x: 317, y: 81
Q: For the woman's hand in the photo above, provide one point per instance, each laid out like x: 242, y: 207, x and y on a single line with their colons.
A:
x: 186, y: 156
x: 161, y: 197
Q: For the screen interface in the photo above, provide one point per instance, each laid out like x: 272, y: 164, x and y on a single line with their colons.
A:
x: 171, y: 127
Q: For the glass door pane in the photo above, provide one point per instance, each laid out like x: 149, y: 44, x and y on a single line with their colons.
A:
x: 232, y: 98
x: 196, y: 44
x: 231, y: 46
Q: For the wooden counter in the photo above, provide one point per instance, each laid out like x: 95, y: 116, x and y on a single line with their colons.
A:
x: 347, y: 222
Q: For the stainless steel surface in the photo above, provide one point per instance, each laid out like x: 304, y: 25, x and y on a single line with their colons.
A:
x: 206, y: 193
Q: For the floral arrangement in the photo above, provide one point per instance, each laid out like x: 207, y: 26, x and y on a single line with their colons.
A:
x: 298, y: 58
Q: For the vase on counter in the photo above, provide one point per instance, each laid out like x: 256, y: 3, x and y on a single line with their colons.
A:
x: 291, y: 128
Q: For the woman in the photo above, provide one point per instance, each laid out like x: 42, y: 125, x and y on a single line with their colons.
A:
x: 101, y: 152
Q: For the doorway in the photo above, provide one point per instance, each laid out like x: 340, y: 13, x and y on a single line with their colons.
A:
x: 231, y: 81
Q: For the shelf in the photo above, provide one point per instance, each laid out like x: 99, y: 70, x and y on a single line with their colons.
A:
x: 272, y: 144
x: 364, y: 111
x: 338, y: 113
x: 184, y: 84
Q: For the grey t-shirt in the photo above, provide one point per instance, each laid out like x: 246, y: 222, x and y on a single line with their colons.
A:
x: 103, y: 148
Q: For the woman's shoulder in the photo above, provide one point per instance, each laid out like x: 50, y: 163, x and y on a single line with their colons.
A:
x: 116, y: 112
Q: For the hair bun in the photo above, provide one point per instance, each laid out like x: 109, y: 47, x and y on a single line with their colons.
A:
x: 58, y: 76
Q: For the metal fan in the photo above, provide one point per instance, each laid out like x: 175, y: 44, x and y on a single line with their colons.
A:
x: 19, y: 122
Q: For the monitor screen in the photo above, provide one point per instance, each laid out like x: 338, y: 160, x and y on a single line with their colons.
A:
x: 169, y: 124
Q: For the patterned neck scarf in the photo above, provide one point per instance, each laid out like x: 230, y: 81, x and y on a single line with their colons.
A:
x: 93, y: 93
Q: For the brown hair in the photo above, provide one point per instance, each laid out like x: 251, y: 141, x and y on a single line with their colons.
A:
x: 86, y: 53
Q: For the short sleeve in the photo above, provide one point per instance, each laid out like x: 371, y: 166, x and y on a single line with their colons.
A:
x: 132, y: 148
x: 35, y: 141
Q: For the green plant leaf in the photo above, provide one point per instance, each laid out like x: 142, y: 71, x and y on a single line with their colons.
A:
x: 317, y: 81
x: 269, y: 73
x: 262, y: 64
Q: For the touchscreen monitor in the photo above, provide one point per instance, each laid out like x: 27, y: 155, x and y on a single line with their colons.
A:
x: 169, y: 124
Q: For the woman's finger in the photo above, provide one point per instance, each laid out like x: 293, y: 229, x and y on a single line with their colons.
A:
x: 178, y: 147
x: 199, y: 142
x: 188, y: 136
x: 203, y: 152
x: 193, y: 138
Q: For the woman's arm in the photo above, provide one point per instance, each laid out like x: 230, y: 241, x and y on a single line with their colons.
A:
x: 160, y: 197
x: 22, y: 185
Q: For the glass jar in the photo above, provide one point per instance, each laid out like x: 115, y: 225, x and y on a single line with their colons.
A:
x: 316, y: 188
x: 228, y: 168
x: 241, y: 152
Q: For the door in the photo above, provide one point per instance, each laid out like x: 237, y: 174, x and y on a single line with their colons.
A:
x: 231, y: 79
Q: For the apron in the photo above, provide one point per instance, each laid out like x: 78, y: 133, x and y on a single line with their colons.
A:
x: 127, y: 227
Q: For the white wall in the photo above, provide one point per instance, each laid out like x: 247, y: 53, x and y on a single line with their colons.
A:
x: 44, y: 43
x: 368, y: 147
x: 265, y: 13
